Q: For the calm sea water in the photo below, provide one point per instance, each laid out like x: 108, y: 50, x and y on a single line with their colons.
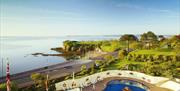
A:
x: 19, y: 49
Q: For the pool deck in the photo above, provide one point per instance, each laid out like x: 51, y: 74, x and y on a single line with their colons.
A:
x: 102, y: 78
x: 100, y: 86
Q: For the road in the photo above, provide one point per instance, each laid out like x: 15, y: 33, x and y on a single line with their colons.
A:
x: 54, y: 71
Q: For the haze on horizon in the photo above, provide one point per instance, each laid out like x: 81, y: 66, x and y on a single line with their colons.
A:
x: 88, y: 17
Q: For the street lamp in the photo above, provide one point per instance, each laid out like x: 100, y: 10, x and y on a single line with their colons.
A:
x: 127, y: 41
x: 2, y: 67
x: 47, y: 77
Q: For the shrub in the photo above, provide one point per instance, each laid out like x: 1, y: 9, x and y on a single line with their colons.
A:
x: 144, y: 58
x: 98, y: 63
x: 13, y: 87
x: 122, y: 54
x: 174, y: 58
x: 83, y: 69
x: 39, y: 80
x: 129, y: 57
x: 151, y: 58
x: 92, y: 69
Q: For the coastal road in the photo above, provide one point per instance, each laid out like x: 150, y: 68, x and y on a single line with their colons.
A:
x: 54, y: 71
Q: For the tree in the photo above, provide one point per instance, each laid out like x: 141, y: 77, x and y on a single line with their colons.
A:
x: 148, y: 36
x: 128, y: 37
x: 175, y: 38
x: 161, y: 38
x: 39, y: 80
x: 71, y: 45
x: 149, y: 39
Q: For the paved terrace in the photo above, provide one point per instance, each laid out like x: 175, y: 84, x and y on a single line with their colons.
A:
x: 100, y: 80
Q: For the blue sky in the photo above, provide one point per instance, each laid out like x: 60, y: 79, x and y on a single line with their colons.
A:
x: 88, y: 17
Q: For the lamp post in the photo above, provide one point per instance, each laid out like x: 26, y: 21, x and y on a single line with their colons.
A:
x: 127, y: 41
x: 47, y: 76
x: 94, y: 87
x: 73, y: 76
x: 2, y: 67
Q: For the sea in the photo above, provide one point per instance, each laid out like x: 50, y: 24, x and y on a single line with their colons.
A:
x: 17, y: 50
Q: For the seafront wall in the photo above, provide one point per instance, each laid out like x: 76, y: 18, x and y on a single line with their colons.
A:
x: 92, y: 79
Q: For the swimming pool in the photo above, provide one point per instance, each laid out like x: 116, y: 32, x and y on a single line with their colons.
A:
x: 125, y: 85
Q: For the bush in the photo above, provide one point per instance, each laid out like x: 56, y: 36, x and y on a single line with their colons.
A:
x: 109, y: 59
x: 98, y: 63
x: 92, y: 69
x: 111, y: 46
x: 134, y: 67
x: 39, y: 80
x: 144, y: 58
x: 136, y: 45
x: 83, y: 70
x: 13, y: 87
x: 122, y: 54
x: 129, y: 57
x: 174, y: 58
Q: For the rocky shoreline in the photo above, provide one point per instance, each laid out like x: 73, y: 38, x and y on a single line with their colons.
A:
x: 62, y: 53
x: 43, y: 54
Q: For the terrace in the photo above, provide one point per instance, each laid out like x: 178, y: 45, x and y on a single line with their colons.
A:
x: 99, y: 81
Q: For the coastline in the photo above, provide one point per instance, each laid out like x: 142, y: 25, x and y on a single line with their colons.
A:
x: 19, y: 49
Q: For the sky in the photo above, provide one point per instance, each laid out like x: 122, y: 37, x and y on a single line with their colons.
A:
x: 88, y: 17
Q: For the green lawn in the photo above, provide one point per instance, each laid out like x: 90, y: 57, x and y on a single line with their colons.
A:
x: 153, y: 52
x: 122, y: 63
